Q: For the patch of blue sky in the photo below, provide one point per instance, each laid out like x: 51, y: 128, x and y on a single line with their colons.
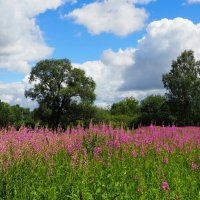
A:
x: 173, y: 8
x: 7, y: 76
x: 74, y: 42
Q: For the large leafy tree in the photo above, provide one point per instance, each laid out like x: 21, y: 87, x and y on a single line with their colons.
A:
x: 59, y: 90
x: 183, y: 85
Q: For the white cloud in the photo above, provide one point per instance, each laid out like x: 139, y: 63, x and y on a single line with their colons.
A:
x: 163, y: 42
x: 108, y: 75
x: 120, y: 17
x: 193, y: 1
x: 107, y: 72
x: 13, y: 93
x: 138, y: 72
x: 142, y: 1
x: 21, y: 40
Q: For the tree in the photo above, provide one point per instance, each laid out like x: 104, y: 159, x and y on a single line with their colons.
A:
x: 21, y: 116
x: 183, y: 85
x: 154, y: 109
x: 128, y: 106
x: 15, y: 116
x: 5, y: 115
x: 101, y: 115
x: 125, y: 112
x: 59, y: 89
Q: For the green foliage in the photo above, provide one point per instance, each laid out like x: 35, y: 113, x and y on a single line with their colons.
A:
x: 15, y: 116
x: 60, y: 90
x: 183, y: 85
x: 5, y: 114
x: 101, y: 115
x: 125, y: 112
x: 22, y: 116
x: 128, y: 106
x: 154, y: 109
x: 125, y: 121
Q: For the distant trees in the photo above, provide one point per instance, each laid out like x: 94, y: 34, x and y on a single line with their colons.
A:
x: 101, y: 115
x: 61, y: 91
x: 183, y: 85
x: 22, y: 116
x: 128, y: 106
x: 15, y: 116
x: 5, y: 114
x: 125, y: 112
x: 154, y: 109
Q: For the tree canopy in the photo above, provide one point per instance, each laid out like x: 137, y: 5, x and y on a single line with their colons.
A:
x: 154, y: 109
x: 15, y: 116
x: 128, y: 106
x: 183, y: 85
x: 59, y: 90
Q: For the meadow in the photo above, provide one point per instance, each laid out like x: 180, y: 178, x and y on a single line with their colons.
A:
x: 100, y: 162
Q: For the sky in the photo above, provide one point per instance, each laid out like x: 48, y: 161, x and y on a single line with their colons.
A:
x: 124, y: 45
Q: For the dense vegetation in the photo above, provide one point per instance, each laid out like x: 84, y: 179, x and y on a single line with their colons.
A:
x: 183, y: 85
x: 127, y: 113
x: 100, y: 163
x: 15, y: 116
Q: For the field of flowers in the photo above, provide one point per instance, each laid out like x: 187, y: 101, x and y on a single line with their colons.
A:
x: 100, y: 163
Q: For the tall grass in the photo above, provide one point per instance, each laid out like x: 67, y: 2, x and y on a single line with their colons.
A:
x: 100, y: 163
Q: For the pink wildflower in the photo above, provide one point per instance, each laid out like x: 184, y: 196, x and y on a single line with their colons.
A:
x: 134, y: 154
x: 194, y: 166
x: 74, y: 157
x: 166, y: 160
x: 97, y: 151
x: 165, y: 186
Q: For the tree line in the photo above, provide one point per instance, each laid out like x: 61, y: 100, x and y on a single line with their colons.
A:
x: 65, y: 96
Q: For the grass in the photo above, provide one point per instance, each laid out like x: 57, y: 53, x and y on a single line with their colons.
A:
x: 100, y: 163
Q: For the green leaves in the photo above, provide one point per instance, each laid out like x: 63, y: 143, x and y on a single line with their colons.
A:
x: 154, y: 109
x: 128, y: 106
x: 14, y: 115
x: 59, y: 88
x: 183, y: 85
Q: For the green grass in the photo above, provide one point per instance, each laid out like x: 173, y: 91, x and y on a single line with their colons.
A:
x: 117, y: 177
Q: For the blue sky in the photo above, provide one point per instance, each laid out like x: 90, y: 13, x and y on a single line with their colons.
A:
x: 124, y: 45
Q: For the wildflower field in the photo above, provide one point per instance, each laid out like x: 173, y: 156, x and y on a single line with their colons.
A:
x: 100, y: 163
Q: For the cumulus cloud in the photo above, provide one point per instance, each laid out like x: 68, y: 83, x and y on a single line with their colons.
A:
x: 21, y: 40
x: 13, y: 93
x: 107, y: 72
x: 163, y: 42
x: 108, y: 75
x: 120, y: 17
x: 138, y: 71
